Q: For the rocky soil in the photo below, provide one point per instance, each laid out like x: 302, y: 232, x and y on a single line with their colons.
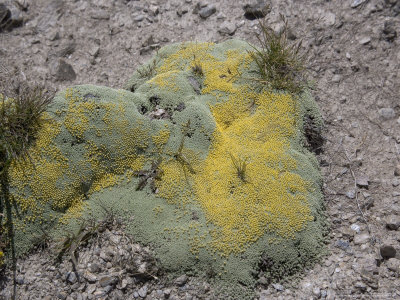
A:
x: 354, y: 56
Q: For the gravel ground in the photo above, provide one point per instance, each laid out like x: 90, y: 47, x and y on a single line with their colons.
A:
x: 354, y: 57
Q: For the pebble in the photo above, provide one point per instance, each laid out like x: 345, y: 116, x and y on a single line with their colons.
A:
x: 256, y: 10
x: 336, y: 78
x: 107, y: 280
x: 351, y: 194
x: 357, y: 3
x: 181, y: 280
x: 387, y: 113
x: 361, y: 238
x: 278, y: 287
x: 393, y: 222
x: 342, y: 244
x: 365, y: 40
x: 64, y: 71
x: 387, y: 251
x: 142, y: 292
x: 355, y: 228
x: 397, y: 170
x: 207, y: 11
x: 393, y: 265
x: 71, y: 277
x: 362, y: 181
x: 227, y: 28
x: 389, y: 32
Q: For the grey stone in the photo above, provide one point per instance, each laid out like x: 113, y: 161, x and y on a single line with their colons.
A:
x: 207, y: 11
x: 395, y: 182
x: 361, y: 238
x: 62, y: 295
x: 181, y: 280
x: 336, y: 78
x: 227, y: 28
x: 351, y: 194
x: 94, y: 268
x: 71, y: 277
x: 90, y: 277
x: 393, y: 265
x: 256, y: 10
x: 142, y: 291
x: 387, y: 251
x: 100, y: 15
x: 387, y: 113
x: 316, y: 292
x: 107, y: 280
x: 361, y: 286
x: 64, y: 71
x: 357, y: 3
x: 139, y: 18
x: 389, y: 32
x: 365, y: 40
x: 397, y: 170
x: 278, y: 287
x: 135, y: 295
x: 362, y: 181
x: 393, y: 222
x: 342, y: 244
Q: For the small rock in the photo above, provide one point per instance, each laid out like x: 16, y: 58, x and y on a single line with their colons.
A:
x: 20, y: 279
x: 351, y: 194
x: 64, y: 71
x: 154, y: 10
x: 336, y: 78
x: 393, y: 222
x: 100, y: 15
x: 62, y: 295
x: 227, y: 28
x: 316, y: 292
x: 135, y: 295
x: 361, y: 286
x: 10, y: 17
x: 355, y: 228
x: 167, y: 293
x: 181, y: 11
x: 362, y: 181
x: 278, y: 287
x: 397, y: 170
x: 94, y: 268
x: 94, y: 51
x: 139, y: 18
x: 342, y: 244
x: 181, y: 280
x: 387, y: 251
x: 393, y: 265
x: 142, y: 292
x: 330, y: 19
x: 256, y: 10
x: 389, y: 32
x: 90, y: 277
x: 361, y: 238
x: 71, y: 277
x: 365, y: 40
x: 207, y: 11
x: 357, y: 3
x: 107, y: 280
x: 387, y: 113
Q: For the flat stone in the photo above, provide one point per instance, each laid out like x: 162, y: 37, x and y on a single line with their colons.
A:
x: 387, y: 113
x: 142, y: 292
x: 387, y: 251
x: 256, y: 10
x: 397, y: 170
x: 365, y: 40
x: 107, y: 280
x: 361, y: 238
x: 351, y: 194
x: 181, y: 280
x: 90, y: 277
x: 357, y: 3
x: 207, y: 11
x: 71, y: 277
x: 362, y: 181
